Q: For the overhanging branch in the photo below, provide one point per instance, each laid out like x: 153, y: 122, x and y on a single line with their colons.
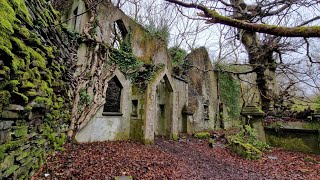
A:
x: 214, y: 17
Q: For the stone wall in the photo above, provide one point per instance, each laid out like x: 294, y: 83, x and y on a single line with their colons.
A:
x: 110, y: 125
x: 35, y: 59
x: 181, y: 87
x: 202, y: 91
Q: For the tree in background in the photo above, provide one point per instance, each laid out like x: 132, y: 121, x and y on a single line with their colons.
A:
x: 264, y: 51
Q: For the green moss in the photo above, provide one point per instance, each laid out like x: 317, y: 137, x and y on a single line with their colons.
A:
x: 8, y: 16
x: 248, y: 135
x: 28, y: 108
x: 14, y: 83
x: 245, y: 150
x: 7, y: 162
x: 23, y: 154
x: 17, y: 63
x: 31, y: 93
x: 34, y: 40
x: 60, y: 99
x: 44, y: 88
x: 148, y: 141
x: 5, y: 52
x: 177, y: 55
x: 4, y: 99
x: 41, y: 142
x: 202, y: 135
x: 121, y: 136
x: 21, y: 9
x: 22, y: 97
x: 212, y: 142
x: 36, y: 58
x: 10, y: 171
x: 12, y: 145
x: 49, y: 52
x: 21, y: 131
x: 290, y: 144
x: 24, y: 32
x: 27, y: 85
x: 230, y: 94
x: 136, y: 130
x: 313, y: 125
x: 44, y: 101
x: 17, y: 43
x: 175, y: 137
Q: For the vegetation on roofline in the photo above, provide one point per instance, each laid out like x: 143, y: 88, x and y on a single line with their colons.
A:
x: 138, y: 72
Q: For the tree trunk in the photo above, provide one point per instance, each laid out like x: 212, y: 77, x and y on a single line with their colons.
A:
x: 261, y: 58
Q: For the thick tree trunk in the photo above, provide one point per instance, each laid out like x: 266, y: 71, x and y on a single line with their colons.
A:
x: 261, y: 58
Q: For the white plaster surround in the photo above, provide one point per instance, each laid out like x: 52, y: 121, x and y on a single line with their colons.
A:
x: 103, y: 128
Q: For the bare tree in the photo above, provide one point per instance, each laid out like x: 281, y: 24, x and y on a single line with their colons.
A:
x: 262, y: 50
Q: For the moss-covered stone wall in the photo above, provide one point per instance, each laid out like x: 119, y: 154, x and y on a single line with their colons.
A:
x: 35, y: 60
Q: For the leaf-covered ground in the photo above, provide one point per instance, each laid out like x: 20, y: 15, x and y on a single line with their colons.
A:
x: 166, y: 159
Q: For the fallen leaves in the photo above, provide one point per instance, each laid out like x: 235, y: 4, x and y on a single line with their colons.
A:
x: 166, y: 159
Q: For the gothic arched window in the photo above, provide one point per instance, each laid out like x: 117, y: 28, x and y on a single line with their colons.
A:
x: 113, y: 96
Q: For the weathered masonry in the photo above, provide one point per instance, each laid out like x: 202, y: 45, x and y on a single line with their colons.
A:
x: 100, y: 77
x: 167, y: 104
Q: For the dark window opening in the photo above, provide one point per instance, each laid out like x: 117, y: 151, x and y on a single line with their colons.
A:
x: 113, y: 96
x: 221, y: 115
x: 162, y: 110
x: 122, y: 28
x: 74, y: 20
x: 206, y: 110
x: 134, y: 108
x: 118, y: 34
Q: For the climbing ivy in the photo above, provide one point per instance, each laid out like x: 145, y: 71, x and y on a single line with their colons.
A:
x: 158, y: 32
x: 230, y: 93
x: 177, y: 55
x: 84, y: 97
x: 138, y: 72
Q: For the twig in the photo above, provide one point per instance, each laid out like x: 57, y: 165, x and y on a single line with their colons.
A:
x: 78, y: 14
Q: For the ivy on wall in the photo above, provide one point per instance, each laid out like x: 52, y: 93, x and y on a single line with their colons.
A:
x: 177, y: 55
x: 138, y: 72
x: 35, y: 59
x: 229, y: 89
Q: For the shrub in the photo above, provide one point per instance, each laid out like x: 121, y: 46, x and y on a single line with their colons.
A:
x: 246, y: 144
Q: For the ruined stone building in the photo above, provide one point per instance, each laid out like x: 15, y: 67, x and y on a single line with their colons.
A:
x: 168, y: 105
x: 99, y: 77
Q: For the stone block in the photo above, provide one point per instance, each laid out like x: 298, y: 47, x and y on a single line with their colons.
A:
x: 7, y: 162
x: 5, y: 125
x: 5, y: 136
x: 9, y: 114
x: 34, y: 115
x: 14, y: 107
x: 10, y: 171
x: 20, y: 173
x: 23, y: 154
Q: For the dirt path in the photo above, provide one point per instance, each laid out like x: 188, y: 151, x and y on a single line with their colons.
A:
x: 203, y: 161
x: 166, y: 159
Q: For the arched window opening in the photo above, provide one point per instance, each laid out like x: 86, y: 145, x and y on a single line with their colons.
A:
x: 113, y: 96
x: 74, y: 19
x: 118, y: 34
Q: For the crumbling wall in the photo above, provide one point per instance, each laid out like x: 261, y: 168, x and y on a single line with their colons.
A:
x: 119, y: 43
x: 203, y: 95
x: 35, y: 69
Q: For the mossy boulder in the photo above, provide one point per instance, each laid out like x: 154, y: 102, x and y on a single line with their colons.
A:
x: 202, y: 135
